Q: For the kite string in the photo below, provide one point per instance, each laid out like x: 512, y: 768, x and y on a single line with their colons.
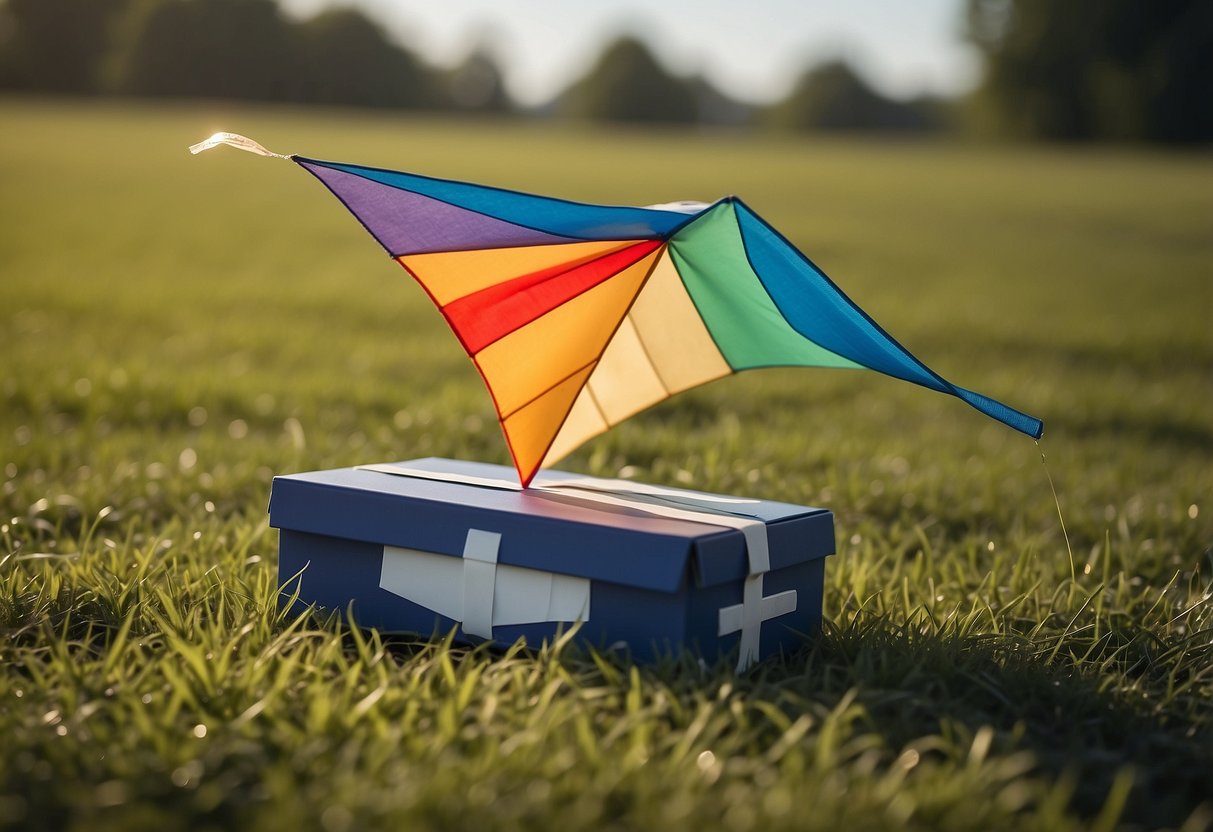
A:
x: 1057, y: 502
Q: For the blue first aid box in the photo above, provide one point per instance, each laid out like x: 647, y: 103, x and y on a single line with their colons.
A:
x: 432, y: 545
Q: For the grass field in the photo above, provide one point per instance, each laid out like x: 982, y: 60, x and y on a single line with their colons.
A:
x: 175, y: 330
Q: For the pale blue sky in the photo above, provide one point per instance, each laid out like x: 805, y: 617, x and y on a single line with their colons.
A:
x: 752, y: 50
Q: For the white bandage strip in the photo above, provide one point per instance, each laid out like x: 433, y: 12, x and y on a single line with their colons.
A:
x: 460, y: 479
x: 749, y: 615
x: 479, y: 581
x: 754, y: 531
x: 520, y: 595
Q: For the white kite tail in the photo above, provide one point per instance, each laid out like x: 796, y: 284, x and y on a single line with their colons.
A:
x: 237, y: 141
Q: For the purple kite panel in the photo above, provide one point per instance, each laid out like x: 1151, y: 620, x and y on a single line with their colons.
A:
x: 409, y: 223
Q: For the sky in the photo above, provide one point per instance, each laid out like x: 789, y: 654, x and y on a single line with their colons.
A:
x: 753, y: 50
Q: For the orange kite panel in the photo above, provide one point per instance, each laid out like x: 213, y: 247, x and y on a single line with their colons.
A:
x: 450, y: 275
x: 526, y: 363
x: 483, y: 317
x: 531, y: 429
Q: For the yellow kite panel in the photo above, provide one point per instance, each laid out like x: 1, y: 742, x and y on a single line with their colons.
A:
x: 522, y: 365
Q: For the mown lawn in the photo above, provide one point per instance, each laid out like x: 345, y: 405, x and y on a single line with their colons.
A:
x: 175, y: 330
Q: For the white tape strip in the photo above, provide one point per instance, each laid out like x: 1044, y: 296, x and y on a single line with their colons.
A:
x: 459, y: 479
x: 755, y: 531
x: 479, y: 581
x: 749, y: 615
x: 569, y: 599
x: 660, y: 502
x: 434, y: 581
x: 474, y: 587
x: 690, y: 498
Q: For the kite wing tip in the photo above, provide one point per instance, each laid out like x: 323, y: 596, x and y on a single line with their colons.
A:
x: 1025, y: 424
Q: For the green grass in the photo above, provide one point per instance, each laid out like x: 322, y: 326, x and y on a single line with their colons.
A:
x: 176, y: 330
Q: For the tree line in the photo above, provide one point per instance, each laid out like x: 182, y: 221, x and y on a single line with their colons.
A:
x: 1086, y: 69
x: 234, y: 49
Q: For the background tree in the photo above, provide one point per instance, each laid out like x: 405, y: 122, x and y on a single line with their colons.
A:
x: 215, y: 48
x: 1098, y: 69
x: 832, y: 96
x: 629, y: 84
x: 55, y: 45
x: 717, y: 108
x: 476, y: 84
x: 347, y: 59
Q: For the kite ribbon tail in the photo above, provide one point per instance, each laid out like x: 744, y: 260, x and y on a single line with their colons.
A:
x: 237, y: 141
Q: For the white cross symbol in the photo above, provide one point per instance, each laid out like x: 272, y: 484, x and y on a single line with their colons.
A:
x: 749, y: 615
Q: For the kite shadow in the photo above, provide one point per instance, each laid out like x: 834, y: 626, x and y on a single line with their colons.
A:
x: 909, y: 687
x: 925, y: 693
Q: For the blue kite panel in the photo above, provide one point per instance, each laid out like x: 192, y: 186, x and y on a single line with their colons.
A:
x: 819, y: 310
x: 555, y: 216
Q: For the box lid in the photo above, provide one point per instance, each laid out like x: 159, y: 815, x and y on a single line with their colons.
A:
x: 430, y: 504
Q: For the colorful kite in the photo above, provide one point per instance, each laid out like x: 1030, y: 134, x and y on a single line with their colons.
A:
x: 578, y: 316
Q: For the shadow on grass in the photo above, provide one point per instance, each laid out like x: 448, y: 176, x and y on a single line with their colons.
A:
x: 911, y: 686
x: 1071, y: 720
x: 1121, y: 705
